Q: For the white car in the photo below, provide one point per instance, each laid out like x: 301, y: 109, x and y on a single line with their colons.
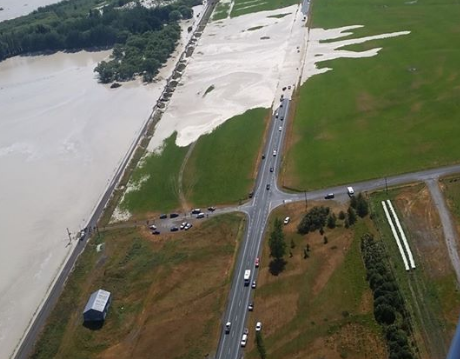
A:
x: 258, y: 326
x: 254, y: 284
x: 244, y: 340
x: 280, y: 128
x: 153, y: 227
x: 287, y: 220
x: 227, y: 327
x: 274, y: 152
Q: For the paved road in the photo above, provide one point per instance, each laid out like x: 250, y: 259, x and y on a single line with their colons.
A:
x: 257, y: 212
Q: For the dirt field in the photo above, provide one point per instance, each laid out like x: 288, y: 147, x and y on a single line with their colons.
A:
x: 321, y: 306
x: 451, y: 189
x: 430, y: 290
x: 168, y: 294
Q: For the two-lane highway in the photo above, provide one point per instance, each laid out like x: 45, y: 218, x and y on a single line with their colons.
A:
x: 240, y: 294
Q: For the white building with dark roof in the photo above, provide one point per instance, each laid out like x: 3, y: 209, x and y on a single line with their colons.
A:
x: 97, y: 306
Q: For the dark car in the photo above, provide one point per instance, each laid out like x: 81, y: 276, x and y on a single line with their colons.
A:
x: 268, y: 187
x: 271, y: 169
x: 174, y: 215
x: 156, y: 232
x: 263, y: 156
x: 251, y: 194
x: 196, y: 211
x: 163, y: 216
x: 329, y: 196
x: 174, y: 229
x: 282, y: 118
x: 211, y: 209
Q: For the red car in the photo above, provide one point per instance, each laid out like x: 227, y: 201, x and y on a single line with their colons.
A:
x: 257, y: 262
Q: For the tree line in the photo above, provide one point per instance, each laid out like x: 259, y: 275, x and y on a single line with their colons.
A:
x: 143, y: 38
x: 389, y: 307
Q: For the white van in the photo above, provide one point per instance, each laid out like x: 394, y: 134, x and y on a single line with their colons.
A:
x: 350, y: 191
x: 244, y: 340
x: 247, y: 276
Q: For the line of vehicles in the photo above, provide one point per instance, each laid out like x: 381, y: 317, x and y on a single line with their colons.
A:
x: 184, y: 225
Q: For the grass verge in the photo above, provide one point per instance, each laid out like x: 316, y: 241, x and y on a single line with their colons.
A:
x: 221, y: 167
x: 320, y: 306
x: 158, y: 284
x: 392, y: 113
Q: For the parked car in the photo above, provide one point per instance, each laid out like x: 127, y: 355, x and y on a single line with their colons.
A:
x: 228, y: 325
x: 152, y: 227
x: 258, y: 326
x: 251, y: 194
x: 251, y: 306
x: 329, y: 196
x: 163, y: 216
x: 268, y: 187
x: 196, y: 211
x: 200, y: 215
x: 244, y: 340
x: 211, y: 209
x: 284, y: 88
x: 188, y: 226
x: 174, y: 215
x: 174, y: 229
x: 287, y: 220
x: 182, y: 226
x: 156, y: 232
x: 263, y: 156
x: 257, y: 262
x: 254, y: 284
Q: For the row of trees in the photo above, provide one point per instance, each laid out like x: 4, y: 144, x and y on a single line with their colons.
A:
x: 278, y: 247
x: 145, y: 37
x: 389, y: 307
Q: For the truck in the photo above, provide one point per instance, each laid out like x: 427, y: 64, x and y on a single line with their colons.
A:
x: 247, y: 276
x: 350, y: 191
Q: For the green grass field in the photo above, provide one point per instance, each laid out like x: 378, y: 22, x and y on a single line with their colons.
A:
x: 452, y: 194
x: 221, y: 167
x: 159, y: 192
x: 396, y: 112
x: 242, y: 7
x: 156, y: 285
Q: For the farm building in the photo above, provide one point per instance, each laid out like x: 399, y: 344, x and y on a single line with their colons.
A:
x: 97, y: 306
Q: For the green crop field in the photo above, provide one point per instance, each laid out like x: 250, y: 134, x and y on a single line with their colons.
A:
x: 157, y: 179
x: 393, y: 113
x: 221, y: 167
x: 242, y: 7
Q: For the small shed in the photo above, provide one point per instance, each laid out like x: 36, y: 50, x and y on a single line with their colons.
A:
x: 97, y: 306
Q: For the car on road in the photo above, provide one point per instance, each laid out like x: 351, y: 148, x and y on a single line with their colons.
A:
x: 280, y: 128
x: 287, y: 220
x: 251, y: 306
x: 200, y: 215
x: 163, y: 216
x: 268, y: 187
x: 271, y: 169
x: 258, y: 326
x: 174, y: 229
x: 274, y: 152
x: 263, y: 156
x: 350, y: 191
x: 289, y: 87
x: 276, y: 115
x: 282, y: 118
x: 196, y: 211
x: 257, y: 262
x: 329, y: 196
x: 174, y: 215
x: 211, y: 209
x: 281, y: 105
x: 228, y: 325
x: 251, y: 194
x: 254, y: 284
x: 156, y: 232
x: 244, y: 340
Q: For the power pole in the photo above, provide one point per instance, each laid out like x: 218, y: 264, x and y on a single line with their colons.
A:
x: 70, y: 236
